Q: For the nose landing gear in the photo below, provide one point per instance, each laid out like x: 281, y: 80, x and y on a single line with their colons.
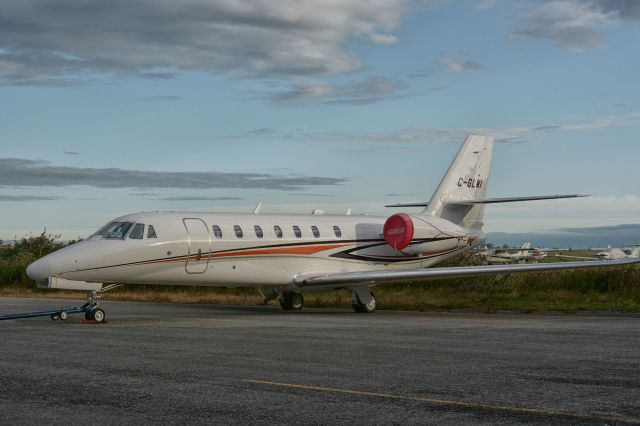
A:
x: 91, y: 310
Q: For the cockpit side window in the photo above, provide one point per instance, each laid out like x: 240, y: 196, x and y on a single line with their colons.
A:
x: 138, y: 232
x: 115, y: 230
x: 151, y: 232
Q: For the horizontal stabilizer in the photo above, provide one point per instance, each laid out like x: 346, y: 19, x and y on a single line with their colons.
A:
x: 381, y: 277
x: 420, y: 204
x: 511, y: 199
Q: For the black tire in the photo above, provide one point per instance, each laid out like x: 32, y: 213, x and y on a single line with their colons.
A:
x: 291, y: 301
x: 55, y: 317
x: 87, y: 315
x: 357, y: 307
x: 285, y: 303
x: 362, y: 308
x: 296, y: 301
x: 63, y: 315
x: 98, y: 315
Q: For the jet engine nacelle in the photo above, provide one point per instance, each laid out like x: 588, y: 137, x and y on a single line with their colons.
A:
x: 416, y: 235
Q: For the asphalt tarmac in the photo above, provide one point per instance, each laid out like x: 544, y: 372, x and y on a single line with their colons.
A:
x: 204, y: 364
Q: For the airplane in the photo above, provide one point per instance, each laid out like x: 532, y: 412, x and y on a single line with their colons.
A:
x: 523, y: 254
x: 608, y: 254
x: 294, y: 254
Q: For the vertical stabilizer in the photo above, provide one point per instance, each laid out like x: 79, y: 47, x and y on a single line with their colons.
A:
x: 525, y: 249
x: 466, y: 179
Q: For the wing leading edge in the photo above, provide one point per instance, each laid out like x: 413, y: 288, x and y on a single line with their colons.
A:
x: 383, y: 277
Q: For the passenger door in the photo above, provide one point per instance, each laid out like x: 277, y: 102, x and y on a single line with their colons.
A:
x: 199, y: 245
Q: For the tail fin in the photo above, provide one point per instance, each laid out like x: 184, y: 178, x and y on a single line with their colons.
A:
x: 466, y: 179
x: 525, y: 248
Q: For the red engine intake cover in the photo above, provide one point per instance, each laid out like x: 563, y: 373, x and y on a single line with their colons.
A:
x: 398, y: 231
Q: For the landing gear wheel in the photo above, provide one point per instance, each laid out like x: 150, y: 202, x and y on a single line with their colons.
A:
x: 63, y: 315
x: 97, y: 315
x: 87, y: 315
x: 291, y: 301
x: 55, y: 317
x: 364, y: 308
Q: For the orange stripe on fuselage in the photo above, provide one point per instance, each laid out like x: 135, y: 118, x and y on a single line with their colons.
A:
x: 300, y: 250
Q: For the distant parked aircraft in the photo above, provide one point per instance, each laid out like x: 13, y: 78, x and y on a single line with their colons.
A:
x: 523, y: 254
x: 610, y: 253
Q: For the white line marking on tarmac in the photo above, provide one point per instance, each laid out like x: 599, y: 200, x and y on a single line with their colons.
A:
x: 475, y: 405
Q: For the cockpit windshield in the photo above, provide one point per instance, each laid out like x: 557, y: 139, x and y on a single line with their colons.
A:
x: 116, y: 230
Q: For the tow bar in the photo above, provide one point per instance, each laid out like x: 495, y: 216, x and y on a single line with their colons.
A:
x: 89, y: 309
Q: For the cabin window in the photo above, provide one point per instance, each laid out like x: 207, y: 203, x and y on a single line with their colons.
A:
x: 337, y: 231
x: 316, y: 231
x: 237, y: 230
x: 278, y: 231
x: 258, y: 230
x: 151, y: 232
x: 138, y: 232
x: 116, y: 230
x: 297, y: 232
x: 217, y: 232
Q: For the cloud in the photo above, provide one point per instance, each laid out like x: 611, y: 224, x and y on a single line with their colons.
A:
x: 24, y: 173
x: 190, y: 198
x: 459, y: 65
x: 301, y: 93
x: 611, y: 230
x: 166, y: 98
x: 55, y: 44
x: 22, y: 198
x: 484, y: 4
x: 370, y: 90
x: 423, y: 135
x: 573, y: 24
x: 157, y: 75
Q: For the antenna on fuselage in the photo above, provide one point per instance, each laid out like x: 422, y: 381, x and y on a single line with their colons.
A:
x: 256, y: 210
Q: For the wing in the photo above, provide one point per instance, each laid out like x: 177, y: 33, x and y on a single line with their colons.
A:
x: 390, y: 276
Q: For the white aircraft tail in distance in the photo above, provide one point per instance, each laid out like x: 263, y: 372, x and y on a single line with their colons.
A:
x: 290, y: 255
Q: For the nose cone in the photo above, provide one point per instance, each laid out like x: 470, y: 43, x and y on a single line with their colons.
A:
x: 39, y: 270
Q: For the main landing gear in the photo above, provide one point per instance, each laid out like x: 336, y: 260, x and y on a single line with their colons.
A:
x: 362, y: 300
x: 290, y: 301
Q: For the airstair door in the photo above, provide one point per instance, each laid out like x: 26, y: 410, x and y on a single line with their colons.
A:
x: 199, y: 245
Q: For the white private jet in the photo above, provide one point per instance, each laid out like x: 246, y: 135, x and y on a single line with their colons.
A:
x: 521, y: 254
x: 294, y: 254
x: 610, y: 253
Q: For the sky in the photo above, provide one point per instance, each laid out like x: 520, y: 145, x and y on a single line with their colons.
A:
x: 112, y: 107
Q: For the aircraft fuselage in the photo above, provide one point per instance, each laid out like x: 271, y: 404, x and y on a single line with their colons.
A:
x: 245, y: 250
